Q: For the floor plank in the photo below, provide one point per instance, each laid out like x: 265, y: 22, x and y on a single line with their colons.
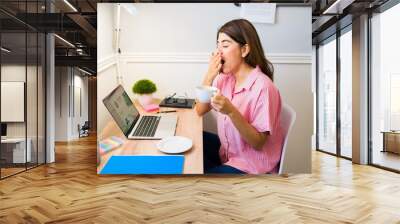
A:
x: 70, y: 191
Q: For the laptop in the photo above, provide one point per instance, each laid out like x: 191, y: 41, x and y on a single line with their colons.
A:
x: 3, y: 131
x: 134, y: 125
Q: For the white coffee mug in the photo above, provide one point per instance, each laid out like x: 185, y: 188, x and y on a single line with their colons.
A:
x: 204, y: 93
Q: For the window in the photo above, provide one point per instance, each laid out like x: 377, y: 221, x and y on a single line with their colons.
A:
x: 327, y: 96
x: 335, y: 138
x: 22, y: 64
x: 385, y: 89
x: 346, y: 93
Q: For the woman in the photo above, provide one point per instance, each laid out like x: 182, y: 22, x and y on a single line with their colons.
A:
x: 248, y: 104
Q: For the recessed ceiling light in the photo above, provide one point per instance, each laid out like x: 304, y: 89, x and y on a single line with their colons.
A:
x: 84, y: 71
x: 70, y: 5
x: 337, y: 7
x: 64, y: 40
x: 5, y: 50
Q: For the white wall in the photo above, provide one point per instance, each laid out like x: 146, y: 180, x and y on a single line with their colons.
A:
x: 15, y: 73
x: 170, y: 44
x: 105, y: 17
x: 66, y: 81
x: 79, y: 117
x: 105, y: 58
x: 188, y: 28
x: 61, y: 103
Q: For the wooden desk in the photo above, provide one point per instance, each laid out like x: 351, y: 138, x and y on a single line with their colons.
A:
x: 13, y: 150
x: 189, y: 125
x: 391, y: 141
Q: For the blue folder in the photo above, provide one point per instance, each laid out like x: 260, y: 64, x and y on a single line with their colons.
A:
x: 167, y: 164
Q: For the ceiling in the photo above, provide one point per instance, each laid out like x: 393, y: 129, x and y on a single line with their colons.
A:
x: 78, y: 27
x: 330, y: 16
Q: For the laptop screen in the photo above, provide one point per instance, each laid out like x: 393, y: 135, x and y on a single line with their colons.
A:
x: 121, y: 109
x: 3, y: 129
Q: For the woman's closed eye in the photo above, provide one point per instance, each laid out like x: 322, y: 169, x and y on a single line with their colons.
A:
x: 223, y: 46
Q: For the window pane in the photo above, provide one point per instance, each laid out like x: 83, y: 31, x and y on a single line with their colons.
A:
x: 23, y: 78
x: 13, y: 70
x: 346, y: 94
x: 31, y: 97
x: 385, y: 86
x: 327, y: 97
x: 41, y: 98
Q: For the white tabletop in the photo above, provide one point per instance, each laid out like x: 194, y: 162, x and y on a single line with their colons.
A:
x: 13, y: 140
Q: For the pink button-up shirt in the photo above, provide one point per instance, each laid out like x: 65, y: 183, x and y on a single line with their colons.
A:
x: 259, y: 102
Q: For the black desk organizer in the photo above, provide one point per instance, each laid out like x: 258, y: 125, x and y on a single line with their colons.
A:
x: 177, y: 102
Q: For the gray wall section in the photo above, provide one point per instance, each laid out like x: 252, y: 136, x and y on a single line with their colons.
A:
x: 50, y: 110
x: 360, y: 90
x: 294, y: 82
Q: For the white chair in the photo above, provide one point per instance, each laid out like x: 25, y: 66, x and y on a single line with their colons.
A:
x: 288, y: 117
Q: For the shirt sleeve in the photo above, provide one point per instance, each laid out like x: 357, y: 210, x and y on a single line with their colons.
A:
x: 265, y: 112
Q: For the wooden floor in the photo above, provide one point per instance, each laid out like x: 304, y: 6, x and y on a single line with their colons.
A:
x: 70, y: 191
x: 10, y: 171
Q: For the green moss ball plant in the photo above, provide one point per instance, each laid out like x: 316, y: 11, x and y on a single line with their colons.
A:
x: 144, y: 86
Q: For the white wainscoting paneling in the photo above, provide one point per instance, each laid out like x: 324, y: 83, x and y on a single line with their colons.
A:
x: 201, y: 57
x: 105, y: 63
x: 161, y: 57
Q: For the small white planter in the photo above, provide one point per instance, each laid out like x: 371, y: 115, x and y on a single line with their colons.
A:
x: 145, y: 99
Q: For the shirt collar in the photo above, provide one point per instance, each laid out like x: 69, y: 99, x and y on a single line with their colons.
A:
x: 251, y: 78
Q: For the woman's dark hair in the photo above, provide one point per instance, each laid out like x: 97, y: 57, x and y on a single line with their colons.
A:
x: 243, y: 32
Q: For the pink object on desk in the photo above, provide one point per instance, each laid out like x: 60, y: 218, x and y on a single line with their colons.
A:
x: 151, y: 107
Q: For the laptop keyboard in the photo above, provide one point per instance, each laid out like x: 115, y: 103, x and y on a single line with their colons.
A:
x: 147, y: 126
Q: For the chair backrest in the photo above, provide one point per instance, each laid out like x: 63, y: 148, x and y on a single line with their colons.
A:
x: 288, y: 117
x: 86, y: 125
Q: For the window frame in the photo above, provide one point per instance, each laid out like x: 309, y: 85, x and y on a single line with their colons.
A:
x: 334, y: 37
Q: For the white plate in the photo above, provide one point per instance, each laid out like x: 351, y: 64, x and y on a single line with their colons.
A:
x: 174, y: 144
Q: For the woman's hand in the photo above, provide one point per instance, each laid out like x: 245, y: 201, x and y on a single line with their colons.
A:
x: 214, y: 66
x: 222, y: 104
x: 247, y: 131
x: 213, y: 69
